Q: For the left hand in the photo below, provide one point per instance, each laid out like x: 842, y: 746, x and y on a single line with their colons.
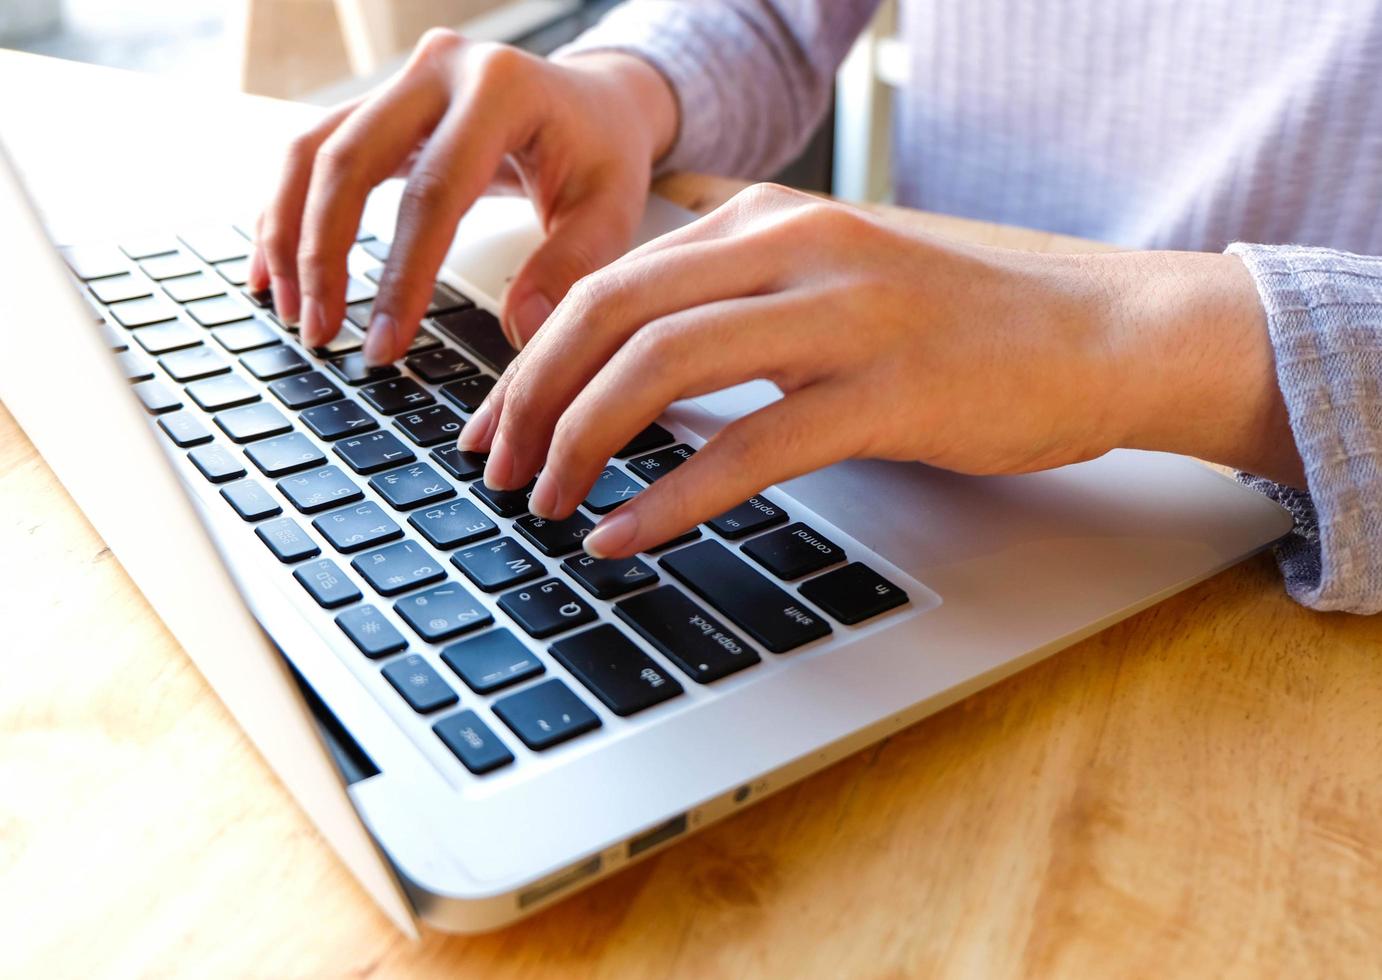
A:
x: 886, y: 344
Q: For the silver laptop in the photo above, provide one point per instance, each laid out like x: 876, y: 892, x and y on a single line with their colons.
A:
x: 516, y: 720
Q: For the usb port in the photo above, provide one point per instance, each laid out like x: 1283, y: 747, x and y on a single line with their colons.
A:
x: 660, y: 833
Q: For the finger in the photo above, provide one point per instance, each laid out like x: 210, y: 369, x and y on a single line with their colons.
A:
x: 804, y: 431
x: 257, y: 279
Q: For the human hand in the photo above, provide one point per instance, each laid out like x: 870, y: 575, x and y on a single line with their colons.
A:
x: 578, y: 136
x: 886, y: 344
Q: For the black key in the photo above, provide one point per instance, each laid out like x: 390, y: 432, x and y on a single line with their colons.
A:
x: 251, y: 501
x: 430, y: 426
x: 505, y: 503
x: 94, y: 261
x: 216, y: 243
x: 478, y: 332
x: 253, y: 422
x: 249, y: 335
x: 319, y: 489
x: 164, y: 337
x: 286, y: 540
x: 327, y: 584
x: 461, y: 465
x: 373, y: 451
x: 217, y: 463
x: 625, y: 678
x: 468, y: 393
x: 234, y: 271
x: 336, y: 419
x: 754, y: 514
x: 264, y: 299
x: 854, y: 593
x: 653, y: 437
x: 362, y: 526
x: 698, y: 643
x: 170, y: 265
x: 478, y: 748
x: 754, y: 604
x: 198, y: 285
x: 360, y: 313
x: 276, y: 362
x: 441, y: 613
x: 218, y: 310
x: 654, y: 466
x: 226, y: 391
x: 284, y: 454
x: 612, y: 487
x: 117, y: 289
x: 555, y: 538
x: 445, y: 299
x: 347, y: 341
x: 371, y: 632
x: 157, y: 397
x: 794, y: 551
x: 438, y: 366
x: 412, y: 486
x: 185, y: 429
x: 545, y: 714
x: 397, y: 567
x: 193, y: 364
x: 420, y: 685
x: 396, y: 395
x: 422, y: 340
x: 135, y: 366
x: 492, y: 660
x: 304, y: 390
x: 608, y: 578
x: 676, y: 542
x: 453, y: 524
x: 498, y: 564
x: 353, y: 371
x: 546, y: 607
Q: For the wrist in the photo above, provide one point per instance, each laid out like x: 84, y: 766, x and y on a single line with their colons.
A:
x: 646, y: 91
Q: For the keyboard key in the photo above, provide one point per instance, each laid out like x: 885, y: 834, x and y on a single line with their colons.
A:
x: 94, y: 261
x: 545, y: 714
x: 248, y: 335
x: 422, y: 340
x: 353, y: 371
x: 169, y: 266
x: 362, y: 526
x: 505, y: 503
x: 253, y: 422
x: 397, y: 567
x: 218, y: 310
x: 676, y: 542
x: 359, y: 291
x: 319, y: 489
x: 235, y: 271
x: 149, y: 246
x: 625, y: 678
x: 753, y: 515
x: 753, y: 603
x: 193, y: 363
x: 608, y: 578
x: 555, y: 538
x: 478, y: 748
x: 492, y: 660
x: 185, y: 429
x: 251, y: 501
x: 348, y: 340
x: 654, y: 466
x: 371, y: 632
x: 412, y: 486
x: 217, y: 463
x: 498, y: 564
x: 157, y: 397
x: 164, y: 337
x: 336, y: 419
x: 117, y: 289
x: 546, y: 608
x: 478, y: 331
x: 299, y: 391
x: 360, y: 313
x: 420, y: 685
x: 396, y: 395
x: 441, y: 613
x: 439, y: 366
x: 284, y: 454
x: 461, y: 465
x: 445, y: 299
x: 198, y: 285
x: 453, y: 524
x: 430, y: 426
x: 794, y: 551
x: 854, y: 593
x: 653, y: 437
x: 216, y: 243
x: 376, y: 249
x: 326, y: 583
x: 468, y: 393
x: 699, y: 644
x: 612, y: 487
x: 136, y: 368
x: 140, y: 312
x: 373, y: 451
x: 226, y: 391
x: 286, y: 540
x: 276, y: 362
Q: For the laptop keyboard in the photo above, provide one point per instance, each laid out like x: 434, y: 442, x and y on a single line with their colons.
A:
x: 490, y: 624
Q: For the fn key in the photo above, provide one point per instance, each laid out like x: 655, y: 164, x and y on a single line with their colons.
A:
x: 854, y: 593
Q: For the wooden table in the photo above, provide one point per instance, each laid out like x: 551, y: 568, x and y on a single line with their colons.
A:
x: 1193, y: 792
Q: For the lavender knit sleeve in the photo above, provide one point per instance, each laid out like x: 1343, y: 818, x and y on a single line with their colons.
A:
x: 1324, y: 314
x: 752, y: 77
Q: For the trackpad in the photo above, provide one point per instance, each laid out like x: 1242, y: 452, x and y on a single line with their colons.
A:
x: 731, y: 403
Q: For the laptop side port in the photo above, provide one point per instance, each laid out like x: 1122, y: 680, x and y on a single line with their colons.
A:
x: 559, y: 882
x: 661, y: 833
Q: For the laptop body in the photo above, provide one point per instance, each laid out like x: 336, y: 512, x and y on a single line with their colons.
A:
x: 997, y: 573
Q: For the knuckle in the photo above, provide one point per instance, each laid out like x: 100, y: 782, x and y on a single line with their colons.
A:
x: 499, y: 65
x: 301, y: 149
x: 333, y: 164
x: 438, y: 43
x: 425, y: 192
x: 661, y: 342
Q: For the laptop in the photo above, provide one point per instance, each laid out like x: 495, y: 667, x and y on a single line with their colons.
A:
x: 515, y: 720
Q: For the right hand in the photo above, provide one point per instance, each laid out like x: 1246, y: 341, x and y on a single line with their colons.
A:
x: 578, y: 136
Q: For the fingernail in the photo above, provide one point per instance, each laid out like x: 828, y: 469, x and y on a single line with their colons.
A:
x: 286, y: 300
x: 313, y: 331
x: 532, y: 313
x: 546, y: 496
x: 477, y: 430
x: 499, y: 466
x: 615, y: 533
x: 380, y: 341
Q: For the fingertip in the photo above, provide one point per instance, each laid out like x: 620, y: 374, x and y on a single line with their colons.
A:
x: 614, y: 536
x: 529, y: 315
x: 478, y: 429
x: 381, y: 341
x: 287, y: 300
